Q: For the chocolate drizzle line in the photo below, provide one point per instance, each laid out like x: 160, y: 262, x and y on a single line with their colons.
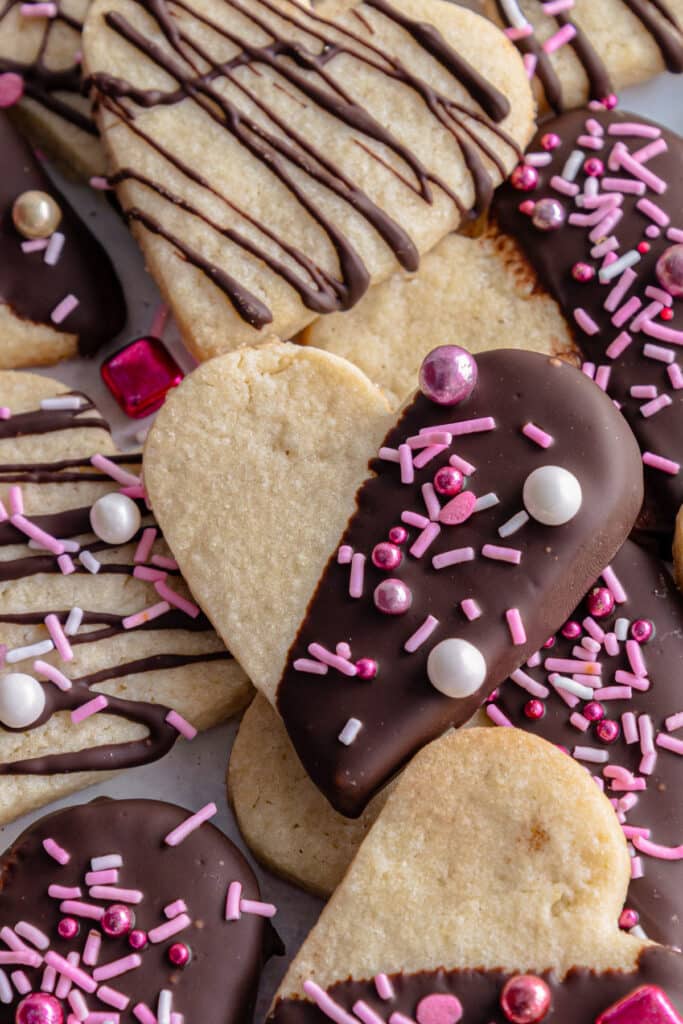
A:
x: 71, y: 523
x: 655, y: 17
x: 304, y: 69
x: 579, y: 998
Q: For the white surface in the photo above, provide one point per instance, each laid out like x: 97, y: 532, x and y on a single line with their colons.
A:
x: 193, y: 773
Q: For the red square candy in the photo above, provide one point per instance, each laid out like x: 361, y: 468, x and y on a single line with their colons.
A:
x: 646, y: 1005
x: 139, y: 376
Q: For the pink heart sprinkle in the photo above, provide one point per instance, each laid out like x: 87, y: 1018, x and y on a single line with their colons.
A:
x: 437, y: 1008
x: 11, y: 89
x: 646, y: 1005
x: 458, y: 509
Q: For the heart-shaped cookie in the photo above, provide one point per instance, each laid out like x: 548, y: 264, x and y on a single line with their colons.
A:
x: 274, y: 162
x: 130, y: 910
x: 105, y: 659
x: 436, y: 589
x: 611, y: 730
x: 494, y: 876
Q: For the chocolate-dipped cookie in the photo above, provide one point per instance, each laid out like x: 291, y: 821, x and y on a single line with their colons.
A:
x: 130, y: 911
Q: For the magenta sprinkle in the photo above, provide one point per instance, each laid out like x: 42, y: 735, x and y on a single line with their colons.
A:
x: 536, y: 434
x: 176, y: 721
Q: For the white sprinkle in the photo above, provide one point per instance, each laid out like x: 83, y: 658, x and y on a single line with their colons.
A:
x: 69, y: 545
x: 74, y: 620
x: 590, y: 754
x: 33, y: 651
x: 571, y: 686
x: 350, y: 731
x: 106, y: 861
x: 61, y: 402
x: 89, y: 562
x: 638, y: 932
x: 513, y: 524
x: 629, y: 259
x: 621, y: 629
x: 573, y: 165
x: 164, y: 1006
x: 54, y: 249
x: 486, y: 501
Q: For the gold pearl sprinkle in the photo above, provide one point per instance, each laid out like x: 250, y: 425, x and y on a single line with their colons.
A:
x: 36, y: 214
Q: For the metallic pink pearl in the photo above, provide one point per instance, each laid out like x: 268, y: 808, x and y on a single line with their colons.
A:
x: 669, y: 270
x: 68, y: 928
x: 39, y: 1008
x: 534, y: 709
x: 550, y: 141
x: 118, y: 920
x: 549, y: 214
x: 398, y: 535
x: 571, y: 629
x: 448, y: 481
x: 179, y: 954
x: 386, y: 556
x: 137, y: 939
x: 524, y: 178
x: 628, y: 918
x: 642, y: 630
x: 600, y: 602
x: 448, y: 375
x: 594, y: 167
x: 607, y: 730
x: 583, y: 272
x: 550, y: 642
x: 367, y: 668
x: 525, y: 999
x: 527, y: 207
x: 610, y: 102
x: 594, y: 711
x: 392, y: 597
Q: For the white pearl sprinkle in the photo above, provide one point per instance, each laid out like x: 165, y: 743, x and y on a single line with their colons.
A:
x: 115, y: 518
x: 456, y: 667
x: 552, y: 495
x: 22, y: 700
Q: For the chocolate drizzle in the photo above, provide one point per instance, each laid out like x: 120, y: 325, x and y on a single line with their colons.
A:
x: 30, y: 287
x: 579, y: 998
x: 301, y: 70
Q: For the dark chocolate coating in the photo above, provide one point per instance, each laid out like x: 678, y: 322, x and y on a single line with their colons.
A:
x: 578, y: 999
x: 658, y: 895
x: 400, y: 709
x: 28, y: 285
x: 553, y: 255
x: 219, y: 984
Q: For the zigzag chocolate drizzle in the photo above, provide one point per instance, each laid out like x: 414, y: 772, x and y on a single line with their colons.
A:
x: 305, y: 69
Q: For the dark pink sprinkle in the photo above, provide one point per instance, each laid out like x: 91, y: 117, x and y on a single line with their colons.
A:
x: 628, y: 918
x: 458, y: 509
x: 11, y: 89
x: 550, y: 642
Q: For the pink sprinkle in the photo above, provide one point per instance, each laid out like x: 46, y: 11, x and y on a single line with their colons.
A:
x: 12, y: 940
x: 326, y: 1004
x: 655, y: 850
x: 421, y: 634
x: 91, y: 707
x: 529, y: 684
x: 606, y: 225
x: 619, y: 291
x: 177, y: 600
x: 636, y: 867
x: 45, y: 540
x: 534, y: 433
x: 427, y: 454
x: 64, y: 892
x: 585, y: 321
x: 78, y: 1005
x: 169, y: 928
x: 453, y: 557
x: 431, y: 501
x: 628, y: 678
x: 173, y: 909
x: 66, y: 565
x: 502, y: 554
x: 107, y: 876
x: 602, y: 375
x: 660, y: 463
x: 475, y: 426
x: 32, y: 934
x: 110, y: 469
x: 593, y: 668
x: 21, y: 983
x: 385, y: 990
x: 80, y: 909
x: 38, y: 10
x: 589, y: 142
x: 57, y: 852
x: 34, y: 244
x: 344, y: 555
x: 91, y: 950
x: 652, y: 181
x: 258, y: 908
x: 99, y: 183
x: 594, y: 127
x: 619, y: 345
x: 662, y: 355
x: 58, y: 637
x: 5, y: 412
x: 315, y: 668
x: 604, y: 248
x: 652, y: 231
x: 646, y: 733
x: 177, y: 835
x: 16, y: 502
x: 655, y: 406
x: 675, y: 234
x: 669, y: 743
x: 117, y: 967
x: 176, y: 721
x: 516, y: 626
x: 153, y: 612
x: 44, y: 668
x: 70, y: 971
x: 534, y: 660
x: 158, y: 325
x: 144, y: 572
x: 530, y: 61
x: 115, y: 894
x: 470, y: 608
x: 538, y: 159
x: 674, y: 722
x: 625, y: 185
x: 405, y: 459
x: 611, y: 644
x: 628, y: 310
x: 414, y: 519
x: 583, y: 654
x: 232, y: 903
x: 497, y: 716
x: 560, y: 38
x: 614, y: 585
x: 643, y: 391
x: 142, y: 552
x: 635, y: 128
x: 613, y: 693
x: 342, y: 665
x: 645, y: 315
x: 366, y: 1014
x: 516, y: 33
x: 357, y: 575
x: 48, y: 980
x: 426, y: 537
x: 654, y: 212
x: 578, y: 721
x: 429, y: 438
x: 144, y: 1014
x: 675, y: 376
x: 21, y: 958
x: 465, y: 467
x: 662, y: 333
x: 63, y: 308
x: 54, y: 248
x: 567, y: 188
x: 112, y: 997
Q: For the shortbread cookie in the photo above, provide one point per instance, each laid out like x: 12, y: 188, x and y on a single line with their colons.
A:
x: 116, y: 911
x: 528, y: 432
x: 601, y: 223
x: 477, y: 292
x: 275, y: 190
x: 105, y: 659
x: 487, y: 891
x: 41, y: 42
x: 59, y: 294
x: 585, y: 50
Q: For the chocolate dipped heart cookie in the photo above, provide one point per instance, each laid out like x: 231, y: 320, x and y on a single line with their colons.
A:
x: 130, y: 911
x: 487, y: 892
x: 105, y: 659
x: 462, y: 539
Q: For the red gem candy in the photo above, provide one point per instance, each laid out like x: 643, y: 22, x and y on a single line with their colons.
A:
x: 607, y: 730
x: 398, y: 535
x: 68, y: 928
x: 583, y: 272
x: 179, y: 954
x: 534, y: 709
x: 600, y: 602
x: 525, y: 999
x: 367, y: 668
x: 140, y: 375
x: 448, y: 481
x: 571, y: 630
x: 594, y: 167
x: 118, y: 920
x: 646, y: 1005
x: 594, y: 711
x: 524, y: 178
x: 137, y: 939
x: 667, y: 314
x: 386, y: 556
x: 39, y: 1008
x: 628, y: 918
x: 643, y: 247
x: 642, y: 630
x: 550, y: 141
